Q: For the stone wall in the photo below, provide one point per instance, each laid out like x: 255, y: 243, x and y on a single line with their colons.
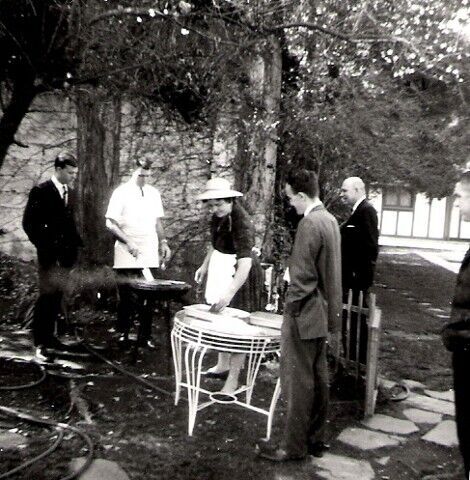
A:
x: 47, y: 129
x: 182, y: 156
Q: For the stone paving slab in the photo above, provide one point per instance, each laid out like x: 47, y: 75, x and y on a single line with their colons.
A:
x: 443, y: 434
x: 338, y: 467
x: 367, y: 439
x: 448, y: 395
x: 424, y: 402
x: 389, y: 424
x: 413, y: 384
x: 12, y: 441
x: 99, y: 469
x: 422, y: 416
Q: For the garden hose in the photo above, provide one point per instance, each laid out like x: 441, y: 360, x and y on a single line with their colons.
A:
x: 57, y: 425
x: 27, y: 463
x: 30, y: 384
x: 126, y: 372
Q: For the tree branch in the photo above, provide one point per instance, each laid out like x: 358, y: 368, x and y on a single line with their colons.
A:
x: 341, y: 36
x: 152, y: 12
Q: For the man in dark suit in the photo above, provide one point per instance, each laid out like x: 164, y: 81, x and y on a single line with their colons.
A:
x: 359, y: 250
x: 311, y: 312
x: 456, y: 334
x: 49, y: 222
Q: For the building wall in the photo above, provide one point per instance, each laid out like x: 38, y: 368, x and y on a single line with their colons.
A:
x: 427, y: 219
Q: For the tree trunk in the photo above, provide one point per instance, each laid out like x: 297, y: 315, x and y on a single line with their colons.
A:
x: 22, y: 96
x: 98, y: 137
x: 255, y: 165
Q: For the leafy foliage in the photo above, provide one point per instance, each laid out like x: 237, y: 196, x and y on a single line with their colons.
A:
x: 361, y: 80
x: 386, y: 102
x: 33, y: 37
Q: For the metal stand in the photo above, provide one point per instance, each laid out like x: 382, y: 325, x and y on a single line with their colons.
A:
x: 192, y: 341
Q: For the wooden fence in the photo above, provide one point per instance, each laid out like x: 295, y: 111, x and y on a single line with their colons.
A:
x: 358, y: 314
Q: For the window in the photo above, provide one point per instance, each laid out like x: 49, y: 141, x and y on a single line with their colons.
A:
x: 398, y: 198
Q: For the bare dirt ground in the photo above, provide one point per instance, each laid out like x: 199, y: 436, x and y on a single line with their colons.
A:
x: 146, y: 434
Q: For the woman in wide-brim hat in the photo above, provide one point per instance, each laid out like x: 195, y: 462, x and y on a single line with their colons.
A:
x: 231, y: 268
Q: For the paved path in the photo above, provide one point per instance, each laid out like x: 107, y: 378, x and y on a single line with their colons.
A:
x: 425, y: 420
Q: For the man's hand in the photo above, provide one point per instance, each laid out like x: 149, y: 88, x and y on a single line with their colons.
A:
x: 133, y: 249
x: 201, y: 272
x: 165, y: 252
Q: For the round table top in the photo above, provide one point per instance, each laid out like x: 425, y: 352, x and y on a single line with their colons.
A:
x: 230, y: 334
x: 158, y: 285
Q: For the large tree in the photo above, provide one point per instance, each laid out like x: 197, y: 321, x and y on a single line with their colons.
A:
x: 191, y: 57
x: 33, y: 59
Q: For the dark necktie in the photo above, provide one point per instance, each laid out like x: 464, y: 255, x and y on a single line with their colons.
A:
x: 142, y: 190
x: 64, y: 196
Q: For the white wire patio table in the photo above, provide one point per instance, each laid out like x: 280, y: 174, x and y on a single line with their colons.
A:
x: 191, y: 339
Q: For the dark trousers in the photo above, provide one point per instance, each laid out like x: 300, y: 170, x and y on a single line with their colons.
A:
x: 48, y: 308
x: 461, y: 363
x: 133, y: 303
x: 304, y: 382
x: 364, y: 333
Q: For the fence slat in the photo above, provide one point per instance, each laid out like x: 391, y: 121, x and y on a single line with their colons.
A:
x: 348, y: 324
x: 373, y: 321
x: 374, y: 326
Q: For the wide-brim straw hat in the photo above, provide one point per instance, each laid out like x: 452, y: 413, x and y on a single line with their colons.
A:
x: 218, y: 188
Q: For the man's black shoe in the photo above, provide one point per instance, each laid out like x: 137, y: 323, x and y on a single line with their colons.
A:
x: 150, y: 344
x: 124, y: 342
x: 317, y: 449
x: 274, y: 453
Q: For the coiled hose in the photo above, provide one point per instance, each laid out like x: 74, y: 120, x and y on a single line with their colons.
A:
x: 58, y: 426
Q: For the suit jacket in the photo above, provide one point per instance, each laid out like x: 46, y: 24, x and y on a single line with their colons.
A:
x: 50, y: 226
x: 314, y: 295
x: 456, y: 333
x: 359, y: 247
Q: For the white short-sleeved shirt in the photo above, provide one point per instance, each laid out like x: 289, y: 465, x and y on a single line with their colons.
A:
x: 137, y: 215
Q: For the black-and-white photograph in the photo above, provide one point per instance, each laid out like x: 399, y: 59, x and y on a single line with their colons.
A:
x: 234, y: 239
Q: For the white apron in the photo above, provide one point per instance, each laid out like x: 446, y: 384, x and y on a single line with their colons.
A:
x: 219, y: 275
x: 148, y: 257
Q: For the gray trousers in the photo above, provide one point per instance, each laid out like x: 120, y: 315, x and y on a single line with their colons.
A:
x: 304, y: 382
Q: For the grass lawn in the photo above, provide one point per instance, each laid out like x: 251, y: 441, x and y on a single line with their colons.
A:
x: 414, y: 296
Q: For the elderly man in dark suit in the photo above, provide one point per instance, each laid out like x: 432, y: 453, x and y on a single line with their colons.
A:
x: 359, y: 250
x: 49, y: 222
x: 456, y: 334
x: 311, y: 311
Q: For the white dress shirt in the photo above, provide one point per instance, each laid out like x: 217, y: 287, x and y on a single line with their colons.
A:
x: 136, y: 210
x: 60, y: 187
x: 357, y: 203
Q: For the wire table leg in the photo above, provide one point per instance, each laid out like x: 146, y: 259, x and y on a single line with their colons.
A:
x: 272, y: 407
x: 254, y: 362
x: 177, y: 362
x: 193, y: 357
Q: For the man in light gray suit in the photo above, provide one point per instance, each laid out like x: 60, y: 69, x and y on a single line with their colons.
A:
x: 311, y: 311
